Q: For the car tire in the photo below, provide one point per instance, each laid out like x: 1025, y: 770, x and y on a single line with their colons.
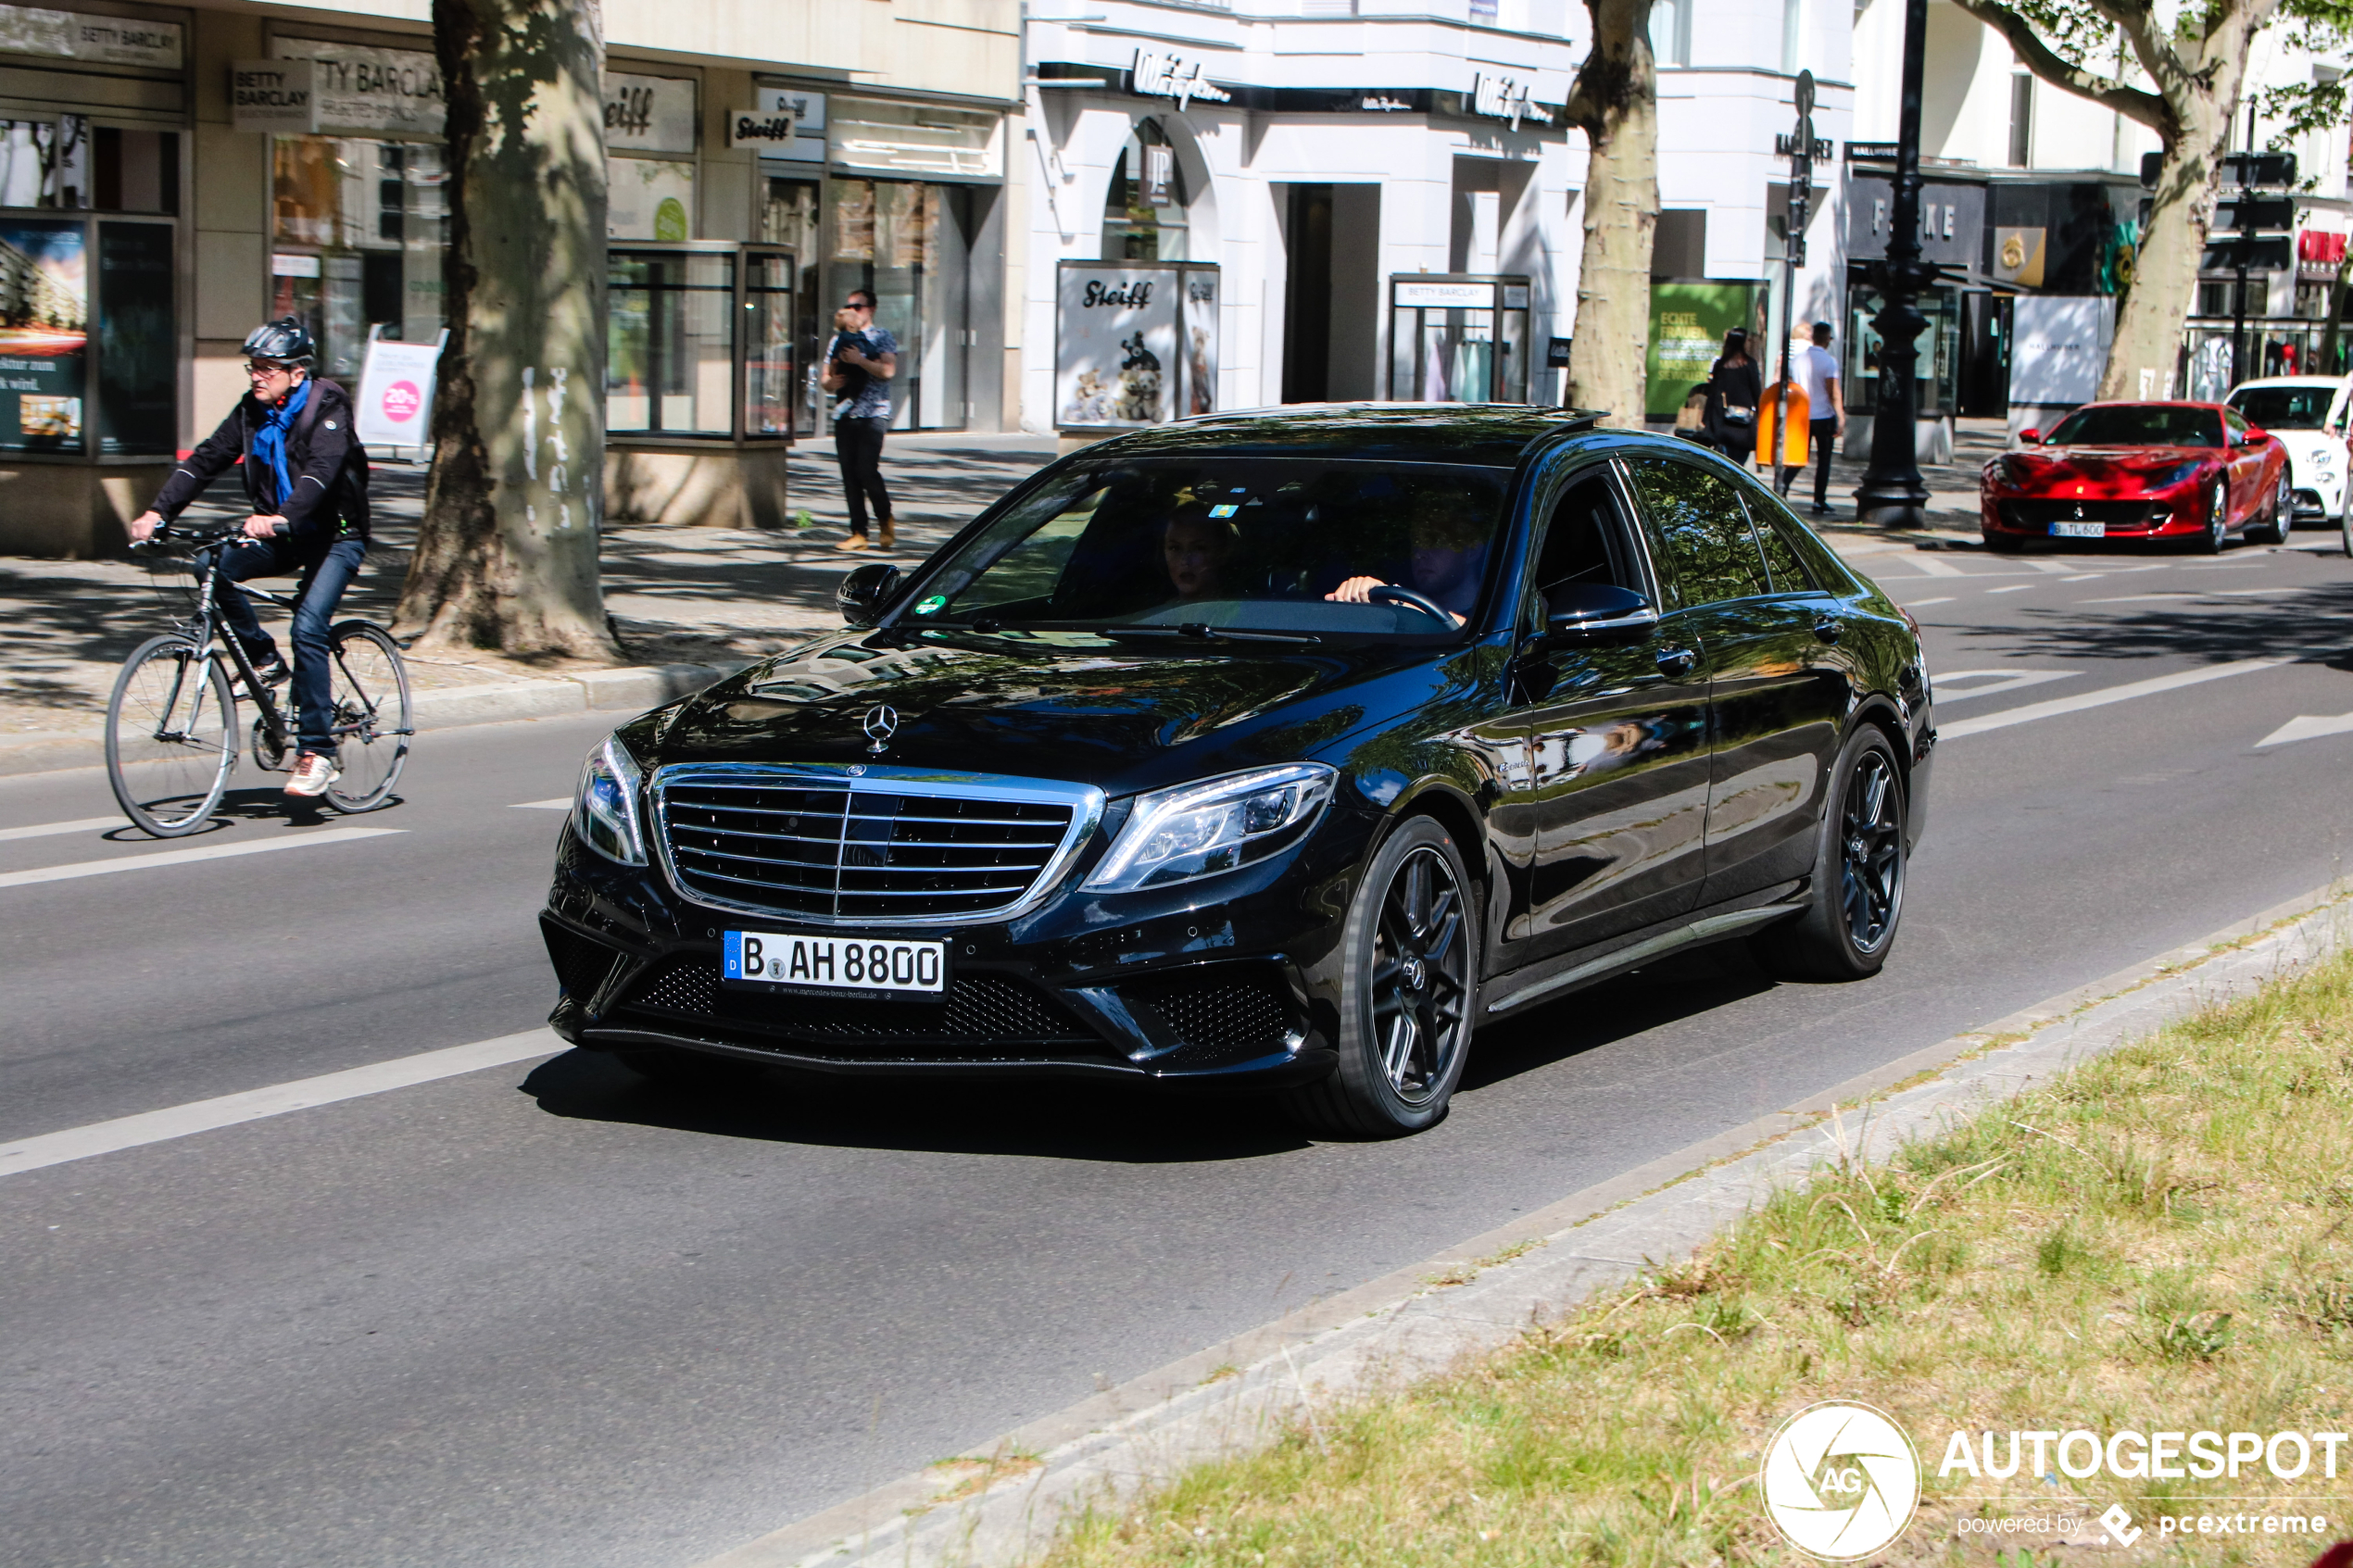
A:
x: 1409, y: 981
x: 1859, y: 865
x: 2001, y: 544
x: 2216, y: 534
x: 2280, y: 517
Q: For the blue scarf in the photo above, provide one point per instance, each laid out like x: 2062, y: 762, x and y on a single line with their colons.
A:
x: 270, y: 441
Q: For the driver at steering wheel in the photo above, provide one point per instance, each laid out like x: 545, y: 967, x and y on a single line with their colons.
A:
x: 1447, y: 566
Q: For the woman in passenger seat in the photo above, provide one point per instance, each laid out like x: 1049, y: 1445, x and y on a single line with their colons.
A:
x: 1197, y: 550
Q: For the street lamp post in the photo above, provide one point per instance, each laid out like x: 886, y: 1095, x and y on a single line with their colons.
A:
x: 1893, y: 494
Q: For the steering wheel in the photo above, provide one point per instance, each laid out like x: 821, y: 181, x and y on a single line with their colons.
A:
x: 1390, y: 593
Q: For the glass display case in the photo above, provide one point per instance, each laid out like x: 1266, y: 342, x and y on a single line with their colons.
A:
x: 1457, y: 338
x: 700, y: 341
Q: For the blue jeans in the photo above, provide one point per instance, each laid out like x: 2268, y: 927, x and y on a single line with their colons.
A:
x: 326, y: 571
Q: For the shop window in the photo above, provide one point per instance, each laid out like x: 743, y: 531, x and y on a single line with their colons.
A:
x: 134, y: 171
x: 358, y: 228
x: 880, y: 136
x: 910, y: 244
x: 788, y: 218
x: 769, y: 333
x: 1455, y: 339
x: 1144, y: 209
x: 669, y: 347
x: 44, y: 162
x: 1937, y: 371
x: 138, y: 385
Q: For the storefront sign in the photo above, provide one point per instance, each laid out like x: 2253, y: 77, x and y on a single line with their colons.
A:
x: 648, y: 114
x: 76, y: 35
x: 1411, y: 294
x: 396, y: 393
x: 1115, y: 335
x: 273, y: 96
x: 808, y: 112
x: 771, y: 132
x: 1163, y: 74
x: 2058, y: 347
x: 1506, y: 97
x: 356, y: 87
x: 2017, y: 257
x: 650, y: 199
x: 1952, y: 220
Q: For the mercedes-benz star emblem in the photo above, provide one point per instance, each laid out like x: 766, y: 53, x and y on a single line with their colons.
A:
x: 881, y: 724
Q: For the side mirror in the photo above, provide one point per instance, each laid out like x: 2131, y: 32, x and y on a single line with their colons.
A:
x: 863, y: 593
x: 2254, y: 436
x: 2029, y: 438
x: 1590, y: 614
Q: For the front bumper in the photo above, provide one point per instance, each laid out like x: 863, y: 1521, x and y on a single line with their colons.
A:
x: 2159, y: 517
x: 1230, y: 980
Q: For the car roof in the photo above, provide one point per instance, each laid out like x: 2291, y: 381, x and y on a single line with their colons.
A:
x: 2146, y: 403
x: 1486, y: 435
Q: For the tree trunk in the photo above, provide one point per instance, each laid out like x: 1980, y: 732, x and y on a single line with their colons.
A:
x: 2150, y: 317
x: 1614, y: 102
x: 507, y: 558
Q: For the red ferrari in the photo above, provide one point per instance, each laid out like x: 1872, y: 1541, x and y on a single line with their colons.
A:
x: 2195, y: 472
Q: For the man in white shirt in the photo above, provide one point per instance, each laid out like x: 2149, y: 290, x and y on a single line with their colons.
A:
x: 1815, y: 368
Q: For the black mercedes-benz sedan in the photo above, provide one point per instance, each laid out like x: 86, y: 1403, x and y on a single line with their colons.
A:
x: 1278, y: 749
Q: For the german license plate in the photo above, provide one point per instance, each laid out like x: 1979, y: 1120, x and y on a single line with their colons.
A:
x: 803, y: 961
x: 2078, y: 529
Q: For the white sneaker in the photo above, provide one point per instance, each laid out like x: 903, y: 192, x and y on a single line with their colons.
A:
x: 312, y: 774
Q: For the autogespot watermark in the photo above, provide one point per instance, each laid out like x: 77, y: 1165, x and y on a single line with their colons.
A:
x: 1842, y: 1480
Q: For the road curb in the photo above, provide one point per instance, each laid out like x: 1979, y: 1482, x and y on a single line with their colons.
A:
x: 1013, y: 1492
x: 630, y: 689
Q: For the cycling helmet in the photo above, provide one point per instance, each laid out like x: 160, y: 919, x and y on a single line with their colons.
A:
x: 285, y: 339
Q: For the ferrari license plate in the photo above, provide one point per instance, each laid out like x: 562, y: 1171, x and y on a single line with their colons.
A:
x: 800, y: 961
x: 2078, y: 529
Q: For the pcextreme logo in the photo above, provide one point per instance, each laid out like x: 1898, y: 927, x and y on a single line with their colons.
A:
x: 1840, y: 1480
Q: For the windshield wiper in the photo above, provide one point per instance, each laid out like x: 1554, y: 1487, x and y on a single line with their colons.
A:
x: 1201, y: 631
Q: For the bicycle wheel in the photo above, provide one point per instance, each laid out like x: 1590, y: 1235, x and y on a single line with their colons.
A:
x: 373, y: 720
x: 171, y: 736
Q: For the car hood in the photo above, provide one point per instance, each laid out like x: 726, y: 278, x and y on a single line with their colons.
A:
x: 2110, y: 463
x: 1112, y: 717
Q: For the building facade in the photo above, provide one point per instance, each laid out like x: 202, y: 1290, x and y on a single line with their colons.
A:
x: 172, y: 176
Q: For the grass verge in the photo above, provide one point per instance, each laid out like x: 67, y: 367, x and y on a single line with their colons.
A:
x: 2162, y: 1240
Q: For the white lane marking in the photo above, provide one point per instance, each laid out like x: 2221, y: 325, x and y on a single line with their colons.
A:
x: 2085, y: 578
x: 2101, y: 698
x: 2305, y: 726
x: 2013, y: 588
x: 2004, y: 680
x: 80, y: 824
x: 1923, y: 604
x: 2057, y: 567
x: 2138, y: 598
x: 1931, y: 567
x: 560, y: 803
x: 188, y: 856
x: 254, y: 1105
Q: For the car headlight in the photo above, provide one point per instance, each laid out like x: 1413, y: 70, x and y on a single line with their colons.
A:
x: 2174, y: 475
x: 1202, y: 828
x: 2013, y: 470
x: 606, y: 814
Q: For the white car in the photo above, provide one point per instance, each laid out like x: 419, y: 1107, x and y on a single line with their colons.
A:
x: 2307, y: 413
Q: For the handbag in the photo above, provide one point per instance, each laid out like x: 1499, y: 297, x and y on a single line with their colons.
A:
x: 1739, y: 416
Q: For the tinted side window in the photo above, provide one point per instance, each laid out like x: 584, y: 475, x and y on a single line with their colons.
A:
x: 1585, y: 542
x: 1705, y: 531
x: 1781, y: 555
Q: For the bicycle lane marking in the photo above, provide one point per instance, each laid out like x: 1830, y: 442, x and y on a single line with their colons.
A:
x: 188, y: 856
x: 254, y: 1105
x: 50, y: 830
x: 2103, y: 697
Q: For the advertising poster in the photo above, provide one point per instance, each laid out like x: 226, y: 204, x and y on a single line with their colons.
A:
x: 1200, y: 340
x: 1688, y: 324
x: 396, y: 393
x: 1115, y: 346
x: 2059, y: 345
x: 651, y: 199
x: 44, y: 320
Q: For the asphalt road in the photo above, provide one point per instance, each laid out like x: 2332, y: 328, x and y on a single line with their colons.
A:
x: 547, y: 1314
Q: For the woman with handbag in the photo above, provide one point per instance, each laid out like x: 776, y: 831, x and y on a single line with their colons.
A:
x: 1735, y: 387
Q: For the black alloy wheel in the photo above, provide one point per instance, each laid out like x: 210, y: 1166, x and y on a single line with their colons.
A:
x: 1849, y: 928
x: 1409, y: 979
x: 2217, y: 520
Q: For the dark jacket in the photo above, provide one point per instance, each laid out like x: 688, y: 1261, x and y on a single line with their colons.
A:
x: 1736, y: 386
x: 324, y: 454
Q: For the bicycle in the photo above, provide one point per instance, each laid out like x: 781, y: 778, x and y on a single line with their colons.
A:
x: 172, y: 722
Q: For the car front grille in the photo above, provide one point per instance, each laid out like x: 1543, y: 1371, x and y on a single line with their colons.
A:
x: 984, y: 1015
x: 2039, y: 515
x: 1222, y: 1017
x: 879, y: 846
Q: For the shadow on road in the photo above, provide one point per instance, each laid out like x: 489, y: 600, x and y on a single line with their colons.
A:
x: 2298, y: 621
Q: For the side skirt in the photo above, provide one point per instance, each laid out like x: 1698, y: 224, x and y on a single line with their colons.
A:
x: 1525, y: 988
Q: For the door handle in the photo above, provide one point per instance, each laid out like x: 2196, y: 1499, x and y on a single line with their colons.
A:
x: 1676, y: 661
x: 1826, y: 629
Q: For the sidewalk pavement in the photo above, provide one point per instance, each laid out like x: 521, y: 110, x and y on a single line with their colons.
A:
x: 688, y: 604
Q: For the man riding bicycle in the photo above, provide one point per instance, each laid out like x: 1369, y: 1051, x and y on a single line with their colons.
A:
x: 306, y: 476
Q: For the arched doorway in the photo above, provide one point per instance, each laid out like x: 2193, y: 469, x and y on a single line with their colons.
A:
x: 1148, y: 205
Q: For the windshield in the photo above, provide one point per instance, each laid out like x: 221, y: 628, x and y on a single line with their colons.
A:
x: 1224, y: 547
x: 2283, y: 408
x: 2139, y: 425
